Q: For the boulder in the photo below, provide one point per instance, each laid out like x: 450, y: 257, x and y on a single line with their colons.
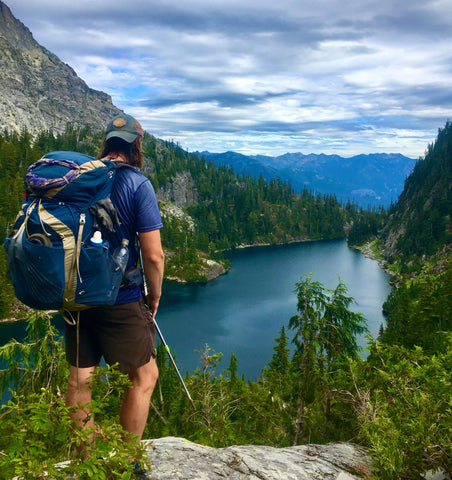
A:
x: 212, y: 269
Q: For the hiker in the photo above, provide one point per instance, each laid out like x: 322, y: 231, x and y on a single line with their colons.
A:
x: 123, y: 333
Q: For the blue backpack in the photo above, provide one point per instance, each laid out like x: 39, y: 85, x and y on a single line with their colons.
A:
x: 52, y: 263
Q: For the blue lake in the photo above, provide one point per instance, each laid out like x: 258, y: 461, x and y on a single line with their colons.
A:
x: 244, y: 310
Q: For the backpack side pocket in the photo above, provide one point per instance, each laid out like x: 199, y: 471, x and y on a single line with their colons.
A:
x: 36, y: 271
x: 100, y: 277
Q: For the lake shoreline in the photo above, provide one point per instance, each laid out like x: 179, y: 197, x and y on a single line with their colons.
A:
x: 367, y: 249
x: 243, y: 312
x: 213, y: 270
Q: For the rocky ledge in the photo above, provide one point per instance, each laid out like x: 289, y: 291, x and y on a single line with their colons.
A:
x: 173, y: 458
x: 178, y: 459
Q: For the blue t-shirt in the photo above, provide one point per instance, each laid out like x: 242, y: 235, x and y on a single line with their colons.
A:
x: 136, y: 204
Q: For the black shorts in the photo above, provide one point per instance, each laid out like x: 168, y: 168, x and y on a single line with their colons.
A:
x: 123, y: 334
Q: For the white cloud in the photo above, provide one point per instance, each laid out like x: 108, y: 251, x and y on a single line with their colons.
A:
x: 347, y: 77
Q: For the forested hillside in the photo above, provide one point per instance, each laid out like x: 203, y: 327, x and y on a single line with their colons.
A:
x: 420, y: 223
x: 417, y: 241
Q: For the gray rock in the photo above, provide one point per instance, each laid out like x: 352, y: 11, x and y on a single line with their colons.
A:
x: 178, y: 459
x: 431, y: 475
x: 169, y: 210
x: 180, y: 190
x: 40, y: 92
x: 212, y: 269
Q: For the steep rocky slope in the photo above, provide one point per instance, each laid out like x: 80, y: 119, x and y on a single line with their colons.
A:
x: 37, y: 90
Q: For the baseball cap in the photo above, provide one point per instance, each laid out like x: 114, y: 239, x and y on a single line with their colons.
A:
x: 124, y: 126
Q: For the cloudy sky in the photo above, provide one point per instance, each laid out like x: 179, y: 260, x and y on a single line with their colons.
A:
x: 263, y: 76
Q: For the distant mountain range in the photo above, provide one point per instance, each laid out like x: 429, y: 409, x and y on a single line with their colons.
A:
x: 368, y: 180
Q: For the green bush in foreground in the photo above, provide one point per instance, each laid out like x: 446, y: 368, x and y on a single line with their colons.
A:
x: 397, y: 403
x: 405, y: 409
x: 36, y: 430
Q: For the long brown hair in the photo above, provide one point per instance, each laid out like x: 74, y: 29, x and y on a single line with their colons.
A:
x: 132, y: 151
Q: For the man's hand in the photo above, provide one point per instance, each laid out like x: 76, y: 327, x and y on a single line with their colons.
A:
x: 153, y: 304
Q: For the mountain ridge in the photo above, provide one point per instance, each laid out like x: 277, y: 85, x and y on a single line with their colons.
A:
x: 40, y: 92
x: 419, y: 224
x: 367, y: 179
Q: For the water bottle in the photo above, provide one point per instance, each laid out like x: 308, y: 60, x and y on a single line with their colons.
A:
x: 121, y: 254
x: 96, y: 239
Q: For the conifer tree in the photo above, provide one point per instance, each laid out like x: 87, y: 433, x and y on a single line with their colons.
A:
x: 325, y: 332
x: 279, y: 364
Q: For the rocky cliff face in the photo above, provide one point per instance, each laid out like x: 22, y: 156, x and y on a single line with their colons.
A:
x: 38, y: 91
x: 180, y: 190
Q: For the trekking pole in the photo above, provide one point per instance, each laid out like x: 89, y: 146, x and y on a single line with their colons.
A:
x: 165, y: 345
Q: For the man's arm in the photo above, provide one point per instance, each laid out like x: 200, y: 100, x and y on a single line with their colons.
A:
x: 153, y: 264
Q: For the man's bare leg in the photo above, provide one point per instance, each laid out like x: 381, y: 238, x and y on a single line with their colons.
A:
x: 79, y: 394
x: 135, y: 405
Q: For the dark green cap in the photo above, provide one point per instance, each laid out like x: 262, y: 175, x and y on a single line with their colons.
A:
x: 124, y: 126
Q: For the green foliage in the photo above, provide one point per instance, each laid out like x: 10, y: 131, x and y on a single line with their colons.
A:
x: 38, y: 362
x: 6, y: 288
x: 36, y: 429
x: 404, y: 409
x: 419, y: 309
x: 213, y: 404
x: 184, y: 261
x: 366, y: 226
x: 325, y: 332
x: 226, y: 409
x: 34, y: 434
x: 208, y: 421
x: 37, y: 432
x: 279, y: 366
